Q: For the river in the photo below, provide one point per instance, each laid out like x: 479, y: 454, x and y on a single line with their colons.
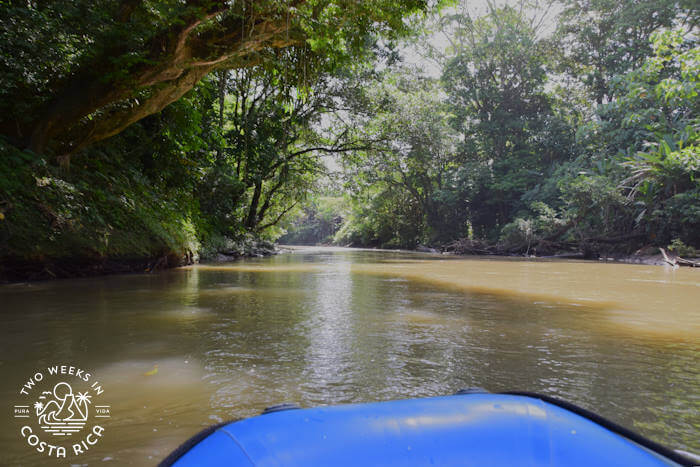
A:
x: 181, y: 349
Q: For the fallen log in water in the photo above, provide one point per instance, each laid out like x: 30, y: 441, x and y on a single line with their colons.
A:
x: 465, y: 246
x: 677, y: 261
x: 687, y: 262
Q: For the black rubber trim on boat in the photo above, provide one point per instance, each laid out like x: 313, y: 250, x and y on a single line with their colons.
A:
x: 185, y: 447
x: 472, y: 390
x: 280, y: 408
x: 612, y: 426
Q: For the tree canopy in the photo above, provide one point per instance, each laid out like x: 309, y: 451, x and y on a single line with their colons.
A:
x: 87, y: 70
x: 584, y: 138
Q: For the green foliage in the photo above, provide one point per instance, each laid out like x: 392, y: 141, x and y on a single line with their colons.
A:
x: 594, y: 206
x: 407, y: 171
x: 681, y: 249
x: 526, y: 232
x: 603, y: 39
x: 317, y: 223
x: 512, y: 133
x: 507, y: 148
x: 660, y: 101
x: 389, y: 218
x: 95, y: 211
x: 264, y: 163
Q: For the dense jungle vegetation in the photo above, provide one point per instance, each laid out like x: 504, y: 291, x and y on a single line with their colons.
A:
x: 139, y: 134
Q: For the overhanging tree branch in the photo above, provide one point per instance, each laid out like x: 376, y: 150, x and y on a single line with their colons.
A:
x: 278, y: 218
x: 89, y: 108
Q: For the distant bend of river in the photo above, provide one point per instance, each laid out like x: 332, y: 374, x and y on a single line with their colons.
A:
x: 186, y: 348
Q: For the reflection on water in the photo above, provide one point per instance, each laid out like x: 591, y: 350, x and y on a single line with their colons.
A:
x: 334, y: 326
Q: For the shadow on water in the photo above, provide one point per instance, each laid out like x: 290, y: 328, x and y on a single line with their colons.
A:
x: 335, y: 326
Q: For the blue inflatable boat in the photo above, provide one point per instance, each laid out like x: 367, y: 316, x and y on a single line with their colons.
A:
x: 469, y: 428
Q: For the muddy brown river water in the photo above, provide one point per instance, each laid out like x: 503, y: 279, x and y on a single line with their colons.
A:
x: 176, y: 351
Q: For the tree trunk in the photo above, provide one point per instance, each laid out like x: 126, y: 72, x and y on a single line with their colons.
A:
x: 252, y: 218
x: 223, y: 78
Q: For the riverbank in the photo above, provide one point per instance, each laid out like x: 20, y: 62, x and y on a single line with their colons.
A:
x: 621, y: 250
x: 19, y: 269
x: 232, y: 250
x: 650, y: 256
x: 16, y: 270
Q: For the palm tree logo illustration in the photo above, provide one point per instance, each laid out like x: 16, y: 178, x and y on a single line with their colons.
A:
x: 61, y: 412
